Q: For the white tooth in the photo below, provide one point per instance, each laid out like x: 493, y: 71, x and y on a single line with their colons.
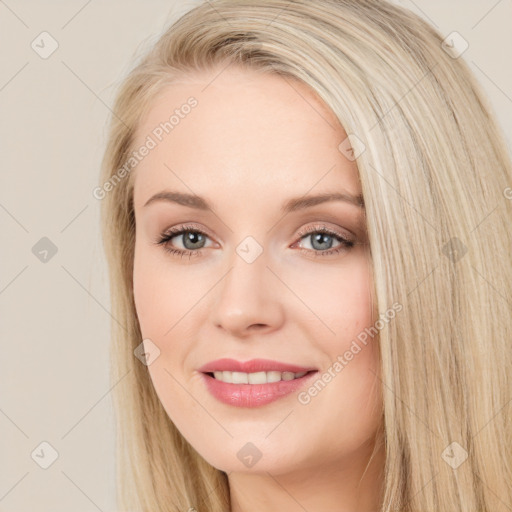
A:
x: 273, y: 376
x: 240, y: 378
x: 258, y: 378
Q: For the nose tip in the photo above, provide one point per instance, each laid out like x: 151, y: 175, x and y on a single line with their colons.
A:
x: 239, y: 323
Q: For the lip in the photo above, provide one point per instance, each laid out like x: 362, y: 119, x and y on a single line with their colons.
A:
x: 252, y: 366
x: 253, y: 395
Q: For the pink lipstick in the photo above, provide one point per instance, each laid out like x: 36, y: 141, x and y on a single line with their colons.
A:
x: 253, y: 383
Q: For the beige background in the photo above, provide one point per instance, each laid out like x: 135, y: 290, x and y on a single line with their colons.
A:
x: 54, y: 315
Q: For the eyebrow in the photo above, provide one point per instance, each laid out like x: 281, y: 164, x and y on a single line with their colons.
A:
x: 292, y: 205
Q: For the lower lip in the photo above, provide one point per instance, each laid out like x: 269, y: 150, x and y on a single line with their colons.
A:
x: 253, y: 395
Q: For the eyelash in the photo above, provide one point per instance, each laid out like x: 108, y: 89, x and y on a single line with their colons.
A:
x: 180, y: 230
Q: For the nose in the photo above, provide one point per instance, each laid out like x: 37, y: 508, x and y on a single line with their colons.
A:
x: 247, y: 299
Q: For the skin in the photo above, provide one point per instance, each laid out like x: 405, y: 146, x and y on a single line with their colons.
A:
x: 252, y: 143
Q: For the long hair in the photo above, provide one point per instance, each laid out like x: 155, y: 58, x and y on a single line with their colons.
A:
x: 436, y: 180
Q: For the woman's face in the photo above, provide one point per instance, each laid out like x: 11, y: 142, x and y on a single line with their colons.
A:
x: 257, y: 279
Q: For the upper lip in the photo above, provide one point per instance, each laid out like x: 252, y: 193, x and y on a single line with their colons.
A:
x: 254, y: 365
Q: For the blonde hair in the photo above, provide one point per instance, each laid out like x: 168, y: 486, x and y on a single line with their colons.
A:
x: 435, y: 177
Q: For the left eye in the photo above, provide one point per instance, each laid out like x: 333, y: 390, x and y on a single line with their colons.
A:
x: 195, y: 239
x: 321, y: 238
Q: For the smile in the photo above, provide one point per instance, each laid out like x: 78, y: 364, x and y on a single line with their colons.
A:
x: 255, y: 382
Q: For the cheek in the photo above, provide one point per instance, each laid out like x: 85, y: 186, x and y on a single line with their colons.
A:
x: 153, y: 296
x: 353, y: 301
x: 158, y: 309
x: 349, y: 394
x: 163, y: 292
x: 339, y: 296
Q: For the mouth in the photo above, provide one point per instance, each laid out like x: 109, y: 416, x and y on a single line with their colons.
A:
x: 255, y: 382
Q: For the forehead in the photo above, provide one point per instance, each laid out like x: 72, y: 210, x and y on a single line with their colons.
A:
x: 250, y: 132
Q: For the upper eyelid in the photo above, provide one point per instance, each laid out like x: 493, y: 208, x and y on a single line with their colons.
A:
x: 177, y: 230
x: 320, y: 227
